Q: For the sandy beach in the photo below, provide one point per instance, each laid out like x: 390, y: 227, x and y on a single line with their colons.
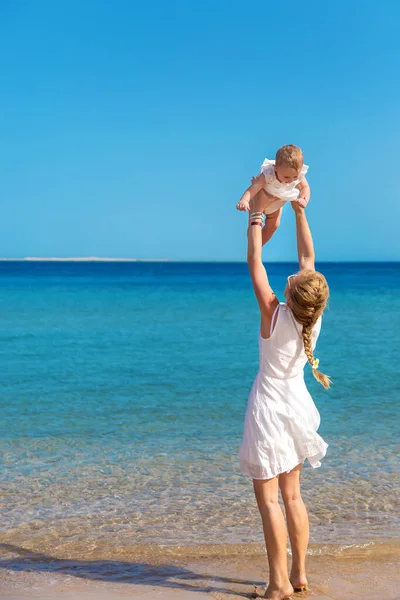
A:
x: 185, y: 573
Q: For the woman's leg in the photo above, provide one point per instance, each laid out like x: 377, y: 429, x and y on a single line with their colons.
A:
x: 274, y: 526
x: 298, y: 526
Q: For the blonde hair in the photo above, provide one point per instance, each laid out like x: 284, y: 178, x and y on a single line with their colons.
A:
x: 308, y: 296
x: 289, y: 156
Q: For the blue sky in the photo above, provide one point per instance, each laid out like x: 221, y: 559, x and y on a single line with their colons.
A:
x: 131, y: 129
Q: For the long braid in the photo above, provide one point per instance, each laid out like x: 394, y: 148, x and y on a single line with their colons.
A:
x: 307, y: 341
x: 308, y: 299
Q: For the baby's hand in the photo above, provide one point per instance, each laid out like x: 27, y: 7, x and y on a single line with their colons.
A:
x: 302, y: 202
x: 243, y: 205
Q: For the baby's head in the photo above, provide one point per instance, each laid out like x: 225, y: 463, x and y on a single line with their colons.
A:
x: 288, y: 163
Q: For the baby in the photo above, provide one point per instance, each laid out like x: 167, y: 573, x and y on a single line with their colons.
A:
x: 280, y: 180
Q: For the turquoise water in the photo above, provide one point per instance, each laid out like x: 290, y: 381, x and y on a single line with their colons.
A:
x: 124, y: 388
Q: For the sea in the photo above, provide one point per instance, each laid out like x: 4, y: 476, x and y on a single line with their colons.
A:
x: 123, y: 393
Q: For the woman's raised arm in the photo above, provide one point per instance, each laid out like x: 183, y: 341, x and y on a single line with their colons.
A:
x: 266, y: 298
x: 305, y: 245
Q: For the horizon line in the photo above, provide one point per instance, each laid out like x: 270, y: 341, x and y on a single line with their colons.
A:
x: 164, y: 260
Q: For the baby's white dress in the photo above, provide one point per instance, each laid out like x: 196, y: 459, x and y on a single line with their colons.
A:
x: 286, y: 192
x: 280, y: 429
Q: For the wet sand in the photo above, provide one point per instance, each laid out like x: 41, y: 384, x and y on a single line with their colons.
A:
x: 368, y: 573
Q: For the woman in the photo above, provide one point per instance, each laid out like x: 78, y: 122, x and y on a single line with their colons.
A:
x: 281, y: 423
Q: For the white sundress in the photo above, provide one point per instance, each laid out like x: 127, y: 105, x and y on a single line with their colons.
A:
x: 286, y: 192
x: 280, y: 429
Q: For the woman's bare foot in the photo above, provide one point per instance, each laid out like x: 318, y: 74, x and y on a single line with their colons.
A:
x: 299, y: 582
x: 274, y: 593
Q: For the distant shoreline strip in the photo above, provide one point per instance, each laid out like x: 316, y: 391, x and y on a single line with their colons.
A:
x: 81, y: 259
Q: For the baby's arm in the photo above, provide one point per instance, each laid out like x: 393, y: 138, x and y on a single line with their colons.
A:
x: 256, y: 185
x: 304, y: 192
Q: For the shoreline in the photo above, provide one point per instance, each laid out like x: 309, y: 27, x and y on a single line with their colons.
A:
x: 51, y: 549
x: 168, y: 572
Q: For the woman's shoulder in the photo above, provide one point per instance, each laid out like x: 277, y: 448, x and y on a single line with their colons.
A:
x: 277, y: 315
x: 317, y: 326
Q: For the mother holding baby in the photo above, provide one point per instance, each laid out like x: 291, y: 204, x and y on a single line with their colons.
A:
x: 281, y: 423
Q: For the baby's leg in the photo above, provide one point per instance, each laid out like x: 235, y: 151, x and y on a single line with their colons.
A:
x: 271, y: 225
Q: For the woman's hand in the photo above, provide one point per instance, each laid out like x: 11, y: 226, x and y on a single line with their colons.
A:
x: 298, y: 209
